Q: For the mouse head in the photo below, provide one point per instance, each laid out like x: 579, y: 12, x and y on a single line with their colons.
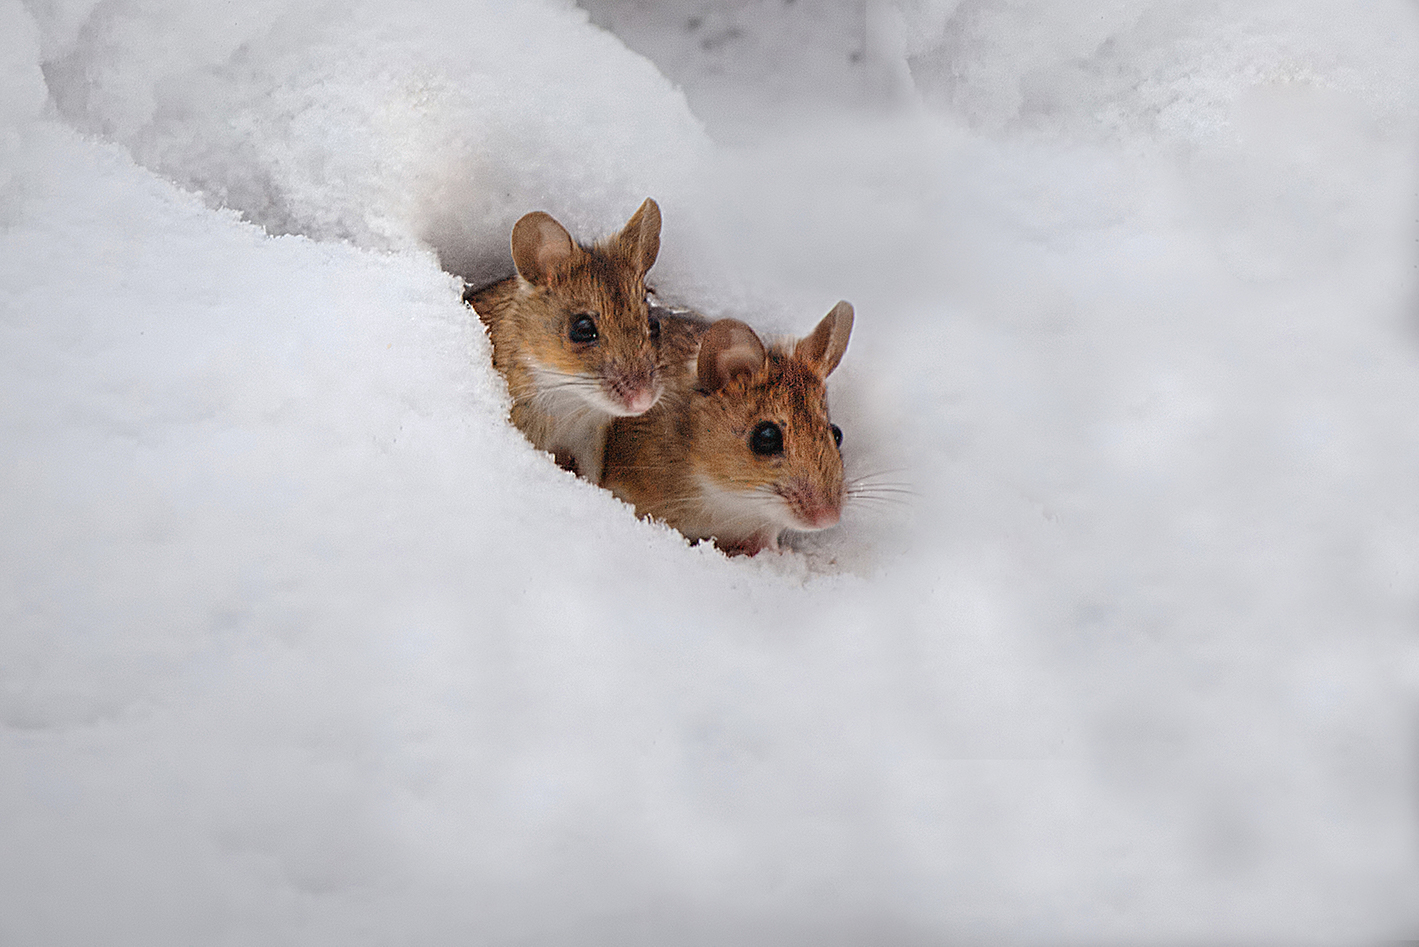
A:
x: 588, y: 327
x: 764, y: 450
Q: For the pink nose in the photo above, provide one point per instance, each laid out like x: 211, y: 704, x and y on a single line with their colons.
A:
x: 633, y: 388
x: 815, y: 505
x: 639, y: 401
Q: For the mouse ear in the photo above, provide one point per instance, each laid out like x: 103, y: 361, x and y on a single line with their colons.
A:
x: 824, y: 347
x: 729, y: 348
x: 539, y: 246
x: 639, y: 240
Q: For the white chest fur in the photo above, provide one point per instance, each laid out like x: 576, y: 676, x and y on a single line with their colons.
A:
x: 572, y: 423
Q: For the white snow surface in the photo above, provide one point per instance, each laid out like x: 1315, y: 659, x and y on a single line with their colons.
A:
x: 302, y: 643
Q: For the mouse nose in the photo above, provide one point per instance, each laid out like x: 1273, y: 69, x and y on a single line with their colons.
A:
x: 814, y: 506
x: 634, y: 389
x: 640, y: 401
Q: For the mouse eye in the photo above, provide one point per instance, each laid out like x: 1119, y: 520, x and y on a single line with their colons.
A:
x: 766, y: 439
x: 837, y: 434
x: 582, y: 329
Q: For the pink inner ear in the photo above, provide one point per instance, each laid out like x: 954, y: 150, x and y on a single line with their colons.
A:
x: 554, y: 245
x: 729, y: 348
x: 539, y: 245
x: 740, y: 360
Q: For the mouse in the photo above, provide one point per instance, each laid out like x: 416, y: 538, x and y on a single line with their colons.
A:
x: 573, y: 335
x: 740, y: 449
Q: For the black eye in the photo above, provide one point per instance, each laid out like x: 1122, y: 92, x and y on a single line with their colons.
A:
x: 654, y: 328
x: 582, y: 330
x: 766, y: 439
x: 837, y: 434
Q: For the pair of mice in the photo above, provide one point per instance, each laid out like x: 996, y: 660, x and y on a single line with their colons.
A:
x: 696, y: 423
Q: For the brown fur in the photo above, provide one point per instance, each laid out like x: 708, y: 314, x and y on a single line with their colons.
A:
x: 565, y: 393
x: 688, y: 460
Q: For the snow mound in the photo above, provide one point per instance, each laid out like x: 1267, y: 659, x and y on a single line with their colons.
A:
x: 389, y: 125
x: 1174, y: 67
x: 301, y: 642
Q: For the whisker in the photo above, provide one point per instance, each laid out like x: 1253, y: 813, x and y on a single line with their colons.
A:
x: 860, y: 499
x: 873, y: 478
x: 869, y: 483
x: 562, y: 386
x: 879, y: 491
x: 851, y: 486
x: 545, y: 371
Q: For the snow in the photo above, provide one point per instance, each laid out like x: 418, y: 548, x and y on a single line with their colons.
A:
x: 301, y: 643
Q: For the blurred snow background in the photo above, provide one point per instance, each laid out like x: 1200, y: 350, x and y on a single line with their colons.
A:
x: 301, y: 643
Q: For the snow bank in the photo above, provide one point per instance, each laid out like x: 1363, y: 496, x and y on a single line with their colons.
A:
x: 386, y: 125
x: 300, y: 642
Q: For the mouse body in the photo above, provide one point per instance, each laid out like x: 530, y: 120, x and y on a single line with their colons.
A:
x: 740, y: 447
x: 573, y: 336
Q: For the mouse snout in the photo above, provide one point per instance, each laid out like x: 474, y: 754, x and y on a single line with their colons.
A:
x: 814, y: 506
x: 632, y: 389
